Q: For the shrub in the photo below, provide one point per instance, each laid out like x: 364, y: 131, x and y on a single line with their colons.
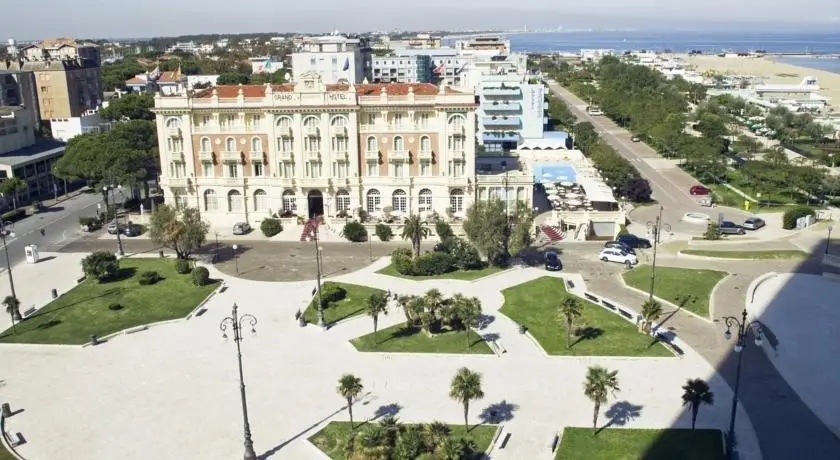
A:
x: 330, y: 292
x: 271, y: 227
x: 443, y: 230
x: 433, y: 263
x: 200, y: 276
x: 182, y: 266
x: 355, y: 232
x: 114, y: 306
x: 402, y: 260
x: 101, y: 265
x: 466, y: 255
x: 712, y: 231
x: 384, y: 232
x: 790, y: 216
x: 36, y: 206
x: 13, y: 216
x: 148, y: 277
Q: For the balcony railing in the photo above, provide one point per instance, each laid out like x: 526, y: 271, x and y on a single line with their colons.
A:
x: 312, y: 154
x: 231, y: 156
x: 284, y: 131
x: 398, y: 155
x: 341, y: 156
x: 175, y: 181
x: 372, y: 155
x: 512, y: 121
x: 340, y: 131
x: 257, y: 155
x: 506, y: 91
x: 426, y: 154
x: 285, y: 155
x: 315, y: 182
x: 313, y: 131
x: 173, y: 132
x: 501, y: 107
x: 205, y: 156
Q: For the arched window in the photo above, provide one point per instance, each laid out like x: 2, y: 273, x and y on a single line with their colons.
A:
x: 371, y: 144
x: 456, y: 200
x: 399, y: 144
x: 399, y: 201
x: 210, y: 202
x: 374, y: 200
x: 425, y: 144
x: 425, y: 200
x: 205, y: 144
x: 230, y: 144
x: 234, y: 199
x: 289, y: 201
x: 456, y: 124
x: 260, y: 200
x: 342, y: 200
x: 310, y: 126
x: 339, y: 126
x: 173, y: 123
x: 284, y: 123
x: 256, y: 144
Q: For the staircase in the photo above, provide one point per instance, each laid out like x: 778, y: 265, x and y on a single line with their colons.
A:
x: 309, y: 229
x: 551, y: 233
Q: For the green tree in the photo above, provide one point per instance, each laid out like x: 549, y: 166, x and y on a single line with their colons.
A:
x: 233, y: 78
x: 12, y: 305
x: 96, y: 158
x: 466, y: 387
x: 376, y: 304
x: 100, y: 265
x: 600, y: 382
x: 132, y: 106
x: 522, y: 222
x: 115, y: 75
x: 350, y: 387
x: 182, y: 231
x: 570, y: 309
x: 415, y: 230
x: 466, y: 311
x: 651, y: 311
x: 12, y: 186
x: 696, y: 392
x: 486, y: 227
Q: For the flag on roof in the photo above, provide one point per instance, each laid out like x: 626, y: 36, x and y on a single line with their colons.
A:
x: 346, y: 64
x: 439, y: 69
x: 155, y: 74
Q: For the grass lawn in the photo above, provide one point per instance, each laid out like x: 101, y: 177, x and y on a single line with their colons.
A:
x: 399, y: 339
x: 783, y: 254
x: 600, y: 332
x: 465, y: 275
x: 637, y: 444
x: 5, y: 455
x: 83, y: 310
x: 332, y: 438
x: 351, y: 305
x: 681, y: 286
x: 726, y: 197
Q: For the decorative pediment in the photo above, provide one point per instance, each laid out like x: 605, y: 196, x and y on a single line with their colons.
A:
x: 310, y: 82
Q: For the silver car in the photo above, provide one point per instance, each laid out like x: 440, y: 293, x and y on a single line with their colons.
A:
x: 754, y: 223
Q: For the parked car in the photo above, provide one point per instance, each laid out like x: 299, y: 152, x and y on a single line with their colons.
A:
x: 620, y: 246
x: 700, y: 190
x: 753, y: 223
x: 635, y: 139
x: 617, y: 255
x: 131, y: 230
x: 241, y: 228
x: 731, y: 228
x: 552, y: 261
x: 113, y: 228
x: 634, y: 241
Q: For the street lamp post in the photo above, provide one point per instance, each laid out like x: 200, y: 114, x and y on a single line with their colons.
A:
x: 743, y: 329
x: 318, y: 250
x: 6, y: 231
x: 656, y: 229
x: 236, y: 257
x: 828, y: 242
x: 235, y: 323
x: 111, y: 188
x: 507, y: 212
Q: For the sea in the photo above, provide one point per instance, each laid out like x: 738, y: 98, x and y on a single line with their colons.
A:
x: 684, y: 41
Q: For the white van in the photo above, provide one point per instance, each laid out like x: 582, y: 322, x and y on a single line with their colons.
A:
x: 617, y: 255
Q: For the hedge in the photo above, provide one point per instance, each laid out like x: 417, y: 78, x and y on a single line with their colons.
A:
x: 790, y: 216
x: 13, y: 216
x: 271, y: 227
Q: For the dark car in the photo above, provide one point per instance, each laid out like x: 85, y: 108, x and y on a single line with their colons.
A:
x: 552, y: 261
x: 731, y: 228
x: 633, y: 241
x: 621, y: 246
x: 699, y: 190
x: 131, y: 230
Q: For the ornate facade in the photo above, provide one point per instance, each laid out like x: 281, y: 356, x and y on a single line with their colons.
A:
x: 243, y: 153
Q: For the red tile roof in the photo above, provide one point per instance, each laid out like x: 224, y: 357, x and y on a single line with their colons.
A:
x: 170, y: 77
x: 393, y: 89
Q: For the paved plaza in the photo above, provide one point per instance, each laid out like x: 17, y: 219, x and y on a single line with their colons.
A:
x: 172, y: 391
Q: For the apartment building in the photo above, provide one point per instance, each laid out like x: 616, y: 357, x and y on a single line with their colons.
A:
x: 243, y: 153
x: 62, y: 49
x: 335, y: 58
x: 486, y: 46
x: 402, y: 69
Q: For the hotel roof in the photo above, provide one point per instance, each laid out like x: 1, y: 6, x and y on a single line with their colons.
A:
x: 392, y: 89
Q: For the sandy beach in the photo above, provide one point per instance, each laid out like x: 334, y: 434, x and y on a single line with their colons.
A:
x: 771, y: 72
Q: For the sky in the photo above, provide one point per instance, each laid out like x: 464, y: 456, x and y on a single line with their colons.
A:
x: 148, y: 18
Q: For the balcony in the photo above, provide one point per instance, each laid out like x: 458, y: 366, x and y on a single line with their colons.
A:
x: 286, y: 156
x: 312, y: 131
x: 507, y: 121
x: 502, y: 91
x: 175, y: 182
x: 258, y: 156
x: 206, y: 157
x: 491, y: 137
x: 315, y: 182
x: 312, y: 155
x: 398, y: 155
x: 284, y: 131
x: 501, y: 107
x: 231, y: 156
x: 340, y: 131
x: 341, y: 156
x: 425, y: 155
x: 173, y: 132
x: 372, y: 155
x: 462, y: 181
x: 232, y: 181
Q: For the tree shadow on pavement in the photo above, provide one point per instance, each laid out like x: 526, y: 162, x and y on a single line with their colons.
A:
x: 498, y: 412
x: 620, y: 414
x: 388, y: 410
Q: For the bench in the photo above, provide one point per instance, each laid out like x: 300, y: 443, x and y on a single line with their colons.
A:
x: 591, y: 297
x: 570, y: 284
x: 504, y: 441
x: 15, y: 439
x: 29, y: 312
x: 609, y: 305
x: 554, y: 443
x: 626, y: 314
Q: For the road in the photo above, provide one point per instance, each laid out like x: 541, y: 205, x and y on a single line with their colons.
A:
x: 60, y: 224
x: 669, y: 183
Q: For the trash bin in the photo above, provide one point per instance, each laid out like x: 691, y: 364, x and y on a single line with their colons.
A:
x: 32, y: 254
x: 55, y: 293
x: 522, y: 328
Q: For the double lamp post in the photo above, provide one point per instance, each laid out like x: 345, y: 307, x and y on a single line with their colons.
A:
x: 235, y: 323
x: 743, y: 330
x: 113, y: 189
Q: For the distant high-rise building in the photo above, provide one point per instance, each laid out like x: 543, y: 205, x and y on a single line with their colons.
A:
x: 335, y: 58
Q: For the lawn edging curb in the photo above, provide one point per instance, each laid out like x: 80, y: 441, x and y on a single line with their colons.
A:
x: 494, y: 440
x: 7, y: 443
x: 753, y: 286
x: 321, y: 454
x: 712, y: 294
x: 682, y: 255
x: 206, y: 299
x: 671, y: 304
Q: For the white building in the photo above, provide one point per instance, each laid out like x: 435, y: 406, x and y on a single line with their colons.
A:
x: 483, y: 46
x: 243, y: 153
x: 402, y: 69
x: 68, y: 128
x: 184, y: 47
x: 511, y: 109
x: 447, y: 65
x: 336, y: 58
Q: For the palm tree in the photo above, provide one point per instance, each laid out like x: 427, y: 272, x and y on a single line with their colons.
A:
x: 350, y: 387
x: 13, y: 186
x: 404, y: 301
x: 415, y: 229
x: 465, y: 387
x: 651, y: 311
x: 12, y: 307
x: 466, y: 310
x: 391, y: 425
x: 599, y: 382
x: 436, y: 434
x: 433, y: 301
x: 450, y: 449
x: 696, y: 393
x: 569, y: 311
x: 376, y: 304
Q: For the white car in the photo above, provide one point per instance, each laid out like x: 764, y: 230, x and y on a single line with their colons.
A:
x: 617, y: 255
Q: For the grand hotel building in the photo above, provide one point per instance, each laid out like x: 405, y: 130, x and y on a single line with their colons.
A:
x: 243, y: 153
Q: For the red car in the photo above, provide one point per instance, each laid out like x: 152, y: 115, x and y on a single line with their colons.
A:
x: 699, y: 190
